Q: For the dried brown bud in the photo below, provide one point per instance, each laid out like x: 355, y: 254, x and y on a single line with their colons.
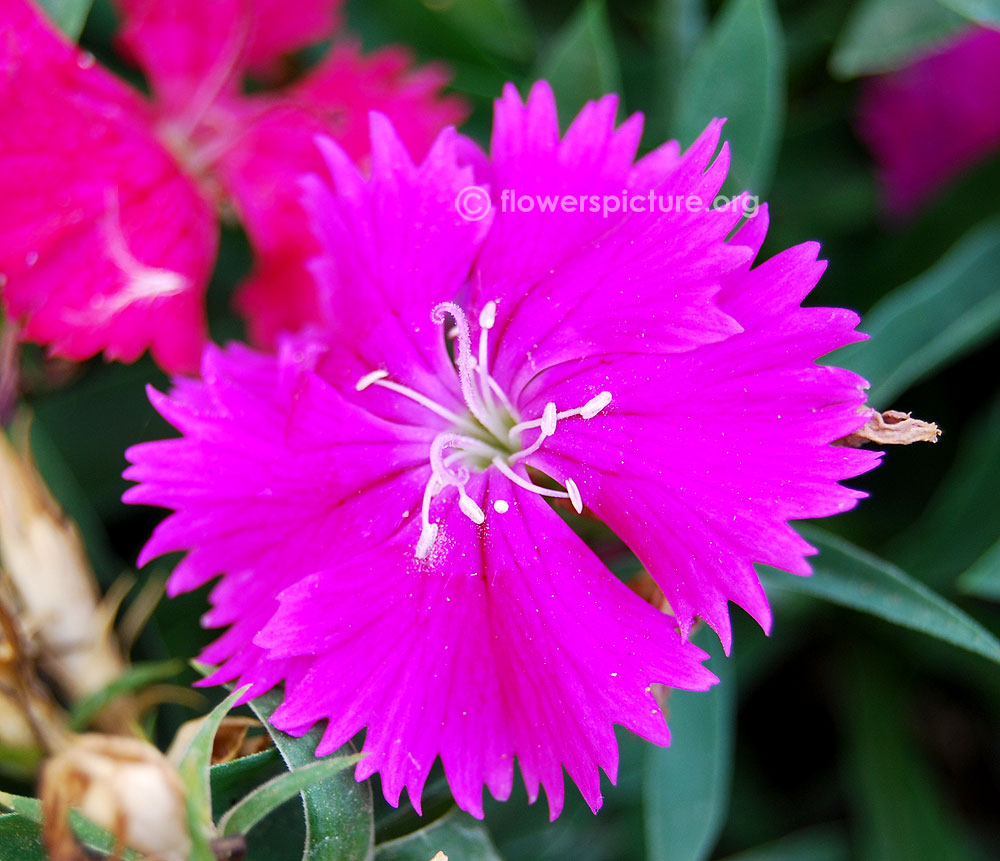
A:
x: 52, y: 587
x: 124, y: 785
x: 892, y: 428
x: 231, y: 739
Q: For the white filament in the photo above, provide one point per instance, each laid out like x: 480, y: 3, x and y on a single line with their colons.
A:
x: 453, y: 469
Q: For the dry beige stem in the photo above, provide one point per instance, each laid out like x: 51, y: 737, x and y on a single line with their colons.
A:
x: 30, y: 721
x: 892, y: 428
x: 122, y: 784
x: 9, y: 370
x: 47, y: 572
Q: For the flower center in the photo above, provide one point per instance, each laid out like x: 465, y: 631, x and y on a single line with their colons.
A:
x: 491, y: 434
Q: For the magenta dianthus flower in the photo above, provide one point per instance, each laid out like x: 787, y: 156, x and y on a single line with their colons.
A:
x: 375, y: 496
x: 111, y: 200
x: 937, y: 117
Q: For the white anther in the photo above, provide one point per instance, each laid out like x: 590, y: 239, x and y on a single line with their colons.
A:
x: 428, y: 534
x: 501, y: 506
x: 488, y: 316
x: 595, y: 405
x: 549, y: 419
x: 469, y: 507
x: 574, y: 495
x: 370, y: 378
x: 500, y: 464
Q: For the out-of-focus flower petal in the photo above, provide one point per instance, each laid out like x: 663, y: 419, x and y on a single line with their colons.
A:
x: 105, y: 244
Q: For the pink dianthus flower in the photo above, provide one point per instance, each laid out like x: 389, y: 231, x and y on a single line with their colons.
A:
x: 109, y: 227
x: 934, y: 119
x: 376, y: 500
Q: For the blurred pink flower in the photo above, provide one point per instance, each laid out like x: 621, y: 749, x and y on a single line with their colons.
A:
x: 927, y: 123
x: 374, y: 500
x: 109, y: 225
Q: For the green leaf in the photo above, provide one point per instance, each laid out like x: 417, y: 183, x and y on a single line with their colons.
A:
x: 195, y: 771
x: 819, y: 843
x: 846, y: 575
x: 882, y: 35
x: 248, y: 812
x: 29, y: 810
x: 738, y: 71
x: 500, y: 27
x: 281, y: 835
x: 686, y: 791
x: 133, y: 679
x: 20, y: 763
x: 677, y: 27
x: 985, y: 12
x: 456, y: 834
x: 582, y: 64
x: 68, y: 15
x: 983, y: 578
x: 934, y: 319
x: 21, y: 839
x: 340, y: 824
x: 232, y: 780
x: 899, y: 811
x: 965, y: 507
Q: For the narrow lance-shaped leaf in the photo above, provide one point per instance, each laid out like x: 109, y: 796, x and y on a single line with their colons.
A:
x: 340, y: 824
x: 21, y: 838
x: 965, y: 507
x: 265, y: 798
x: 582, y: 63
x: 135, y: 678
x: 932, y: 320
x: 986, y: 12
x: 738, y: 71
x: 846, y: 575
x: 29, y: 811
x: 194, y: 768
x: 686, y: 792
x: 899, y: 811
x: 882, y: 35
x: 455, y: 834
x: 983, y: 578
x: 69, y: 15
x: 819, y: 843
x: 677, y: 27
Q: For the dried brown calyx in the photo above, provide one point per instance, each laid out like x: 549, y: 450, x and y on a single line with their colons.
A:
x: 891, y: 427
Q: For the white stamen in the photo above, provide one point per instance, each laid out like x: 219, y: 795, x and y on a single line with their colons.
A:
x: 428, y: 534
x: 548, y: 424
x: 370, y: 378
x: 428, y: 530
x: 484, y: 354
x: 469, y: 507
x: 574, y: 495
x: 488, y: 316
x: 466, y: 366
x: 464, y: 444
x: 498, y: 462
x: 587, y: 411
x: 500, y: 393
x: 423, y: 400
x: 595, y: 405
x: 501, y: 506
